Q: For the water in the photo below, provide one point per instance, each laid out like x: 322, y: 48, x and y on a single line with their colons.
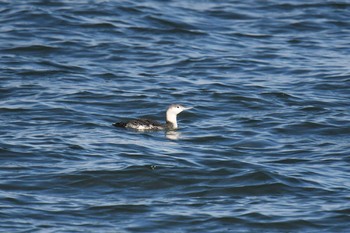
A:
x: 266, y: 148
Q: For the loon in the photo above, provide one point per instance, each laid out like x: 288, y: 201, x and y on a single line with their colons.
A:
x: 146, y: 124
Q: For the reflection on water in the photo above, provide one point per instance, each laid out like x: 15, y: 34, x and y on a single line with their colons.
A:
x: 173, y: 135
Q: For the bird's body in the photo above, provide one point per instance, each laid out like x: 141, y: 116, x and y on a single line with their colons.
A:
x: 141, y: 124
x: 146, y: 124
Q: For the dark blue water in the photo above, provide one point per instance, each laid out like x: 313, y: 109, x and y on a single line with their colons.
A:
x: 266, y: 148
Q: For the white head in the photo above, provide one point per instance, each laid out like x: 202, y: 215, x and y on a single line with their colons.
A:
x: 172, y: 112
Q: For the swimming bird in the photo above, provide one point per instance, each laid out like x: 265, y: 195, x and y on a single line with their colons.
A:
x: 146, y: 124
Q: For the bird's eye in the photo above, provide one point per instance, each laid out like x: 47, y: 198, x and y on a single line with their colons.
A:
x: 178, y: 106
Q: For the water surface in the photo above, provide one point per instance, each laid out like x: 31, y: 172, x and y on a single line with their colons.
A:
x: 266, y: 148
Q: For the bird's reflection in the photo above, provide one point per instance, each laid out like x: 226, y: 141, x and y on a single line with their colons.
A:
x: 173, y: 135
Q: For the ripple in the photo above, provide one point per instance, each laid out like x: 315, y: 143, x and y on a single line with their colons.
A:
x: 32, y: 49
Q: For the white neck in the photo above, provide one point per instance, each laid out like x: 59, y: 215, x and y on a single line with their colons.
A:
x: 171, y: 117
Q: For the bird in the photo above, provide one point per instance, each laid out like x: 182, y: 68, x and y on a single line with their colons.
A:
x: 147, y: 124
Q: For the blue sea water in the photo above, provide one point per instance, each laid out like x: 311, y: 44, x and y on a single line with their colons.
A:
x: 265, y: 149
